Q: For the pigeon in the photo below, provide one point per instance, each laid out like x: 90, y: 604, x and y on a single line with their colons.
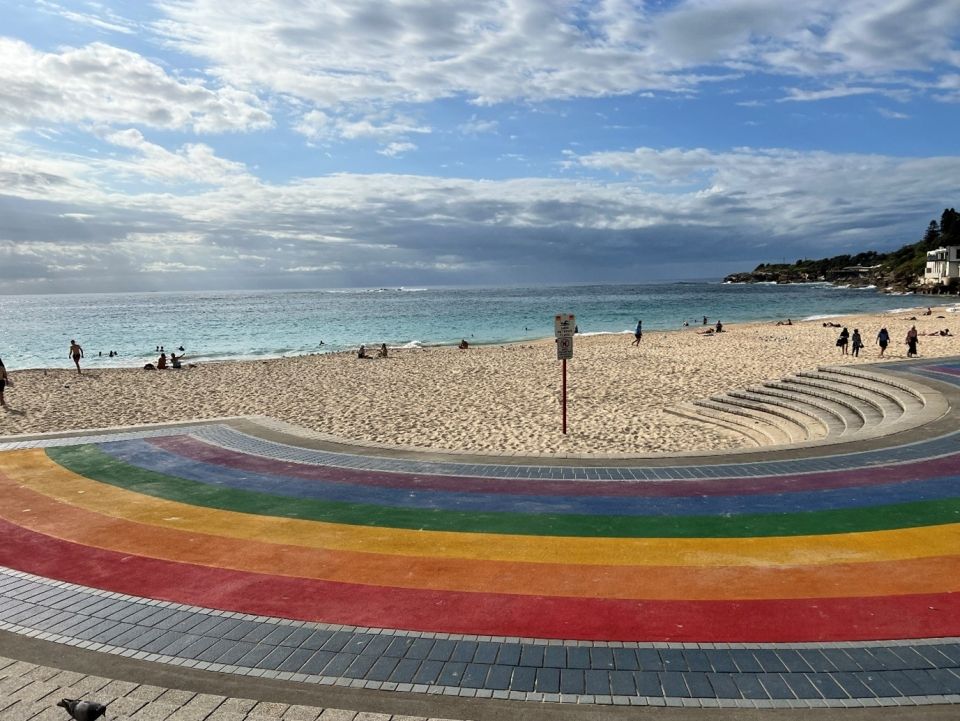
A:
x: 83, y: 710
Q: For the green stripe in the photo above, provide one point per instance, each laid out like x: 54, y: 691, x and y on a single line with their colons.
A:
x: 89, y: 461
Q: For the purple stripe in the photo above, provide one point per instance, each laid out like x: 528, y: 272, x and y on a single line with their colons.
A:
x: 197, y: 450
x: 946, y: 370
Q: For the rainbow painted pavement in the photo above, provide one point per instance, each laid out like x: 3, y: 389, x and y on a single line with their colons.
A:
x: 780, y: 579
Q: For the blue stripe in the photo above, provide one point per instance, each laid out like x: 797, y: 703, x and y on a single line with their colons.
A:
x: 145, y: 455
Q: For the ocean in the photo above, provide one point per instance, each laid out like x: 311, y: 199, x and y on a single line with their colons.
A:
x: 35, y: 330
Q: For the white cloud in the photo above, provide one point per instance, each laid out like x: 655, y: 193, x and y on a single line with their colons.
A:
x: 394, y: 150
x: 343, y: 227
x: 336, y: 55
x: 951, y: 85
x: 160, y: 266
x: 194, y: 162
x: 100, y: 83
x: 317, y: 125
x: 892, y: 114
x: 795, y: 94
x: 314, y: 268
x: 97, y: 16
x: 476, y: 126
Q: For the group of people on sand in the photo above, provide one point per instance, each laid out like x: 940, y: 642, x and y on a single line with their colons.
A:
x: 855, y: 341
x: 638, y: 333
x: 382, y: 353
x: 76, y: 353
x: 176, y: 361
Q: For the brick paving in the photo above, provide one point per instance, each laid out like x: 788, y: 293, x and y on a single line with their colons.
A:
x: 29, y: 692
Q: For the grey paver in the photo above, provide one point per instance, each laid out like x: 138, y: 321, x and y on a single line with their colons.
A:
x: 332, y: 714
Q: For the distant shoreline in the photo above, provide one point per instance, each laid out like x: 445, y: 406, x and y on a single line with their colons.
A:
x: 207, y: 361
x: 258, y: 326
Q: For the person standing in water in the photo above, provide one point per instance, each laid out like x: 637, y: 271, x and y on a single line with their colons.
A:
x: 76, y: 352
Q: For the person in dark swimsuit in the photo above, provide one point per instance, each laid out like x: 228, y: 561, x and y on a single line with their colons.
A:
x: 76, y: 352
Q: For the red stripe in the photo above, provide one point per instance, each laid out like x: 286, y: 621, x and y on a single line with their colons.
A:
x: 840, y: 619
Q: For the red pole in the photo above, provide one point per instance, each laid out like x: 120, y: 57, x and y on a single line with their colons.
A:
x: 564, y: 396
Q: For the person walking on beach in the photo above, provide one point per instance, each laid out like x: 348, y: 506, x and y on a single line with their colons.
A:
x: 76, y: 352
x: 912, y: 342
x: 843, y: 340
x: 857, y: 342
x: 883, y: 340
x: 638, y: 333
x: 3, y: 383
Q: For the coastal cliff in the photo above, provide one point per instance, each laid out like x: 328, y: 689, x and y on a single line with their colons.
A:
x: 896, y: 271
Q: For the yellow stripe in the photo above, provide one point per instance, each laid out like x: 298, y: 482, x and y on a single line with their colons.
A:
x: 36, y: 471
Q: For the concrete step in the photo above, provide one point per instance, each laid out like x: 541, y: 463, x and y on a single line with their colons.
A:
x: 819, y: 421
x: 781, y: 422
x: 907, y: 397
x: 842, y: 418
x: 773, y: 434
x: 740, y: 425
x: 820, y: 406
x: 891, y: 407
x: 872, y: 411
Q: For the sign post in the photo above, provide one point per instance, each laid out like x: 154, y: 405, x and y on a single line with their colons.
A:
x: 564, y: 325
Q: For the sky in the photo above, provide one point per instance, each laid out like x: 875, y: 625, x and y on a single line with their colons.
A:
x: 207, y: 144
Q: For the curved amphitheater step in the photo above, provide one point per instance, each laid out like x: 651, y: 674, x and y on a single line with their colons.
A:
x: 870, y: 408
x: 840, y: 419
x: 828, y: 404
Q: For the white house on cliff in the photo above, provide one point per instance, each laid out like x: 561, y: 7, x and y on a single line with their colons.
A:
x: 943, y: 267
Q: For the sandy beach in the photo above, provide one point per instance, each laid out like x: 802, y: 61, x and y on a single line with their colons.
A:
x: 485, y: 399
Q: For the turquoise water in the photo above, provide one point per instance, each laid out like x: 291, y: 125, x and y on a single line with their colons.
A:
x: 36, y: 330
